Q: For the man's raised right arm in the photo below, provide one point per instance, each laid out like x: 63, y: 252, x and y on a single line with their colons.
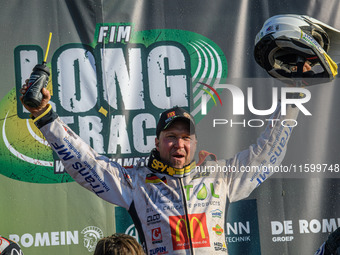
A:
x: 93, y: 171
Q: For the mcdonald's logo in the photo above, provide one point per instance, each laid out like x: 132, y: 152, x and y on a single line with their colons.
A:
x: 180, y: 231
x: 171, y: 114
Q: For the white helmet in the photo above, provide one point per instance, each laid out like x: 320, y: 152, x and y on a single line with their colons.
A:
x: 286, y: 42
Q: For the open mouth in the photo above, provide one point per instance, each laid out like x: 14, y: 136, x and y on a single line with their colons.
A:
x: 178, y: 156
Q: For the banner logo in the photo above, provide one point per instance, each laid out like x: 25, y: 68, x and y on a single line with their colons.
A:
x: 132, y: 231
x: 91, y: 237
x: 195, y: 224
x: 110, y: 93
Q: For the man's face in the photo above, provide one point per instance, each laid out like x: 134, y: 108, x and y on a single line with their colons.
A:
x: 176, y: 145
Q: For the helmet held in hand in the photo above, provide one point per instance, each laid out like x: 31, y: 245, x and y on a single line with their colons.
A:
x: 285, y: 41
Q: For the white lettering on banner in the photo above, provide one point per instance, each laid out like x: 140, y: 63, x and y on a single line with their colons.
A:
x: 118, y: 135
x: 129, y: 78
x: 167, y: 77
x: 125, y: 162
x: 28, y: 58
x: 123, y: 32
x: 58, y: 167
x: 116, y: 79
x: 282, y: 238
x: 90, y: 128
x: 103, y: 33
x: 142, y: 142
x: 27, y: 240
x: 46, y: 239
x: 314, y: 226
x: 132, y: 231
x: 76, y: 70
x: 317, y: 226
x: 279, y: 228
x: 238, y: 239
x: 238, y: 228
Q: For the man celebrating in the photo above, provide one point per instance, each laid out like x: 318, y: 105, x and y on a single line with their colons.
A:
x: 178, y: 205
x: 173, y: 198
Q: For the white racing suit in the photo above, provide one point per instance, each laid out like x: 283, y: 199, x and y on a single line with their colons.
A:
x: 173, y: 215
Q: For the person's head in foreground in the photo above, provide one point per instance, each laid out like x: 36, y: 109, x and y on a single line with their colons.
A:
x: 118, y: 244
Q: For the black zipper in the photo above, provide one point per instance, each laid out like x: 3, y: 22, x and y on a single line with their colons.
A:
x: 186, y: 216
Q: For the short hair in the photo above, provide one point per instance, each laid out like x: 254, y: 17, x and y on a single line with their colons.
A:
x: 118, y: 244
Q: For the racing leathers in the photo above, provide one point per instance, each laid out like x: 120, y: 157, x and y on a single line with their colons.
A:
x: 176, y: 211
